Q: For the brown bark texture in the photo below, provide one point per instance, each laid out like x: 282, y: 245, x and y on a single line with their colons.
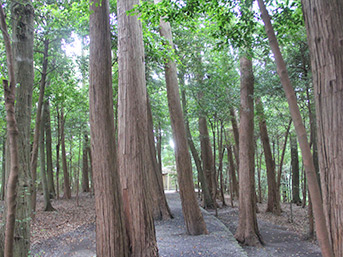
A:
x: 320, y: 220
x: 272, y: 201
x: 22, y: 17
x: 133, y: 133
x: 235, y: 134
x: 111, y: 239
x: 233, y: 177
x: 325, y: 42
x: 247, y: 232
x: 194, y: 220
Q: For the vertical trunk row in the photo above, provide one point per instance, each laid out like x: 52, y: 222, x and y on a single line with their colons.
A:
x: 321, y: 225
x: 111, y: 238
x: 247, y: 232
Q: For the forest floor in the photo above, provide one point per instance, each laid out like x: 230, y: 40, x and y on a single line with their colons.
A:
x: 70, y: 231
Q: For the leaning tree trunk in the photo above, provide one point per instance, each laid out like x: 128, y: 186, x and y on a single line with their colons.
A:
x: 321, y: 229
x: 194, y: 220
x: 325, y: 43
x: 133, y: 133
x: 111, y: 238
x: 247, y: 232
x: 66, y: 188
x: 273, y: 204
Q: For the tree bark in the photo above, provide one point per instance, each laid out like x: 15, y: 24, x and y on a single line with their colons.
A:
x: 111, y: 237
x: 194, y: 220
x: 58, y: 154
x: 273, y: 204
x: 235, y: 134
x: 3, y: 169
x: 66, y: 181
x: 247, y: 232
x: 22, y: 17
x: 133, y: 133
x: 85, y: 170
x: 48, y: 141
x: 34, y: 155
x: 322, y: 232
x: 233, y: 177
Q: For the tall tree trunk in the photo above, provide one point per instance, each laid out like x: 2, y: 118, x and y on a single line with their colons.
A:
x: 50, y: 175
x: 221, y: 151
x: 235, y: 134
x: 279, y: 176
x: 85, y: 170
x: 22, y: 17
x: 46, y: 194
x: 233, y: 177
x: 3, y: 170
x: 111, y: 237
x: 160, y: 206
x: 58, y: 154
x: 133, y: 133
x: 322, y: 232
x: 247, y: 232
x: 295, y: 171
x: 206, y: 195
x: 66, y: 181
x: 207, y: 156
x: 194, y: 220
x: 273, y: 204
x: 159, y: 147
x: 34, y: 155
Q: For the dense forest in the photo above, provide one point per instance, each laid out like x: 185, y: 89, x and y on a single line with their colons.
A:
x: 233, y: 100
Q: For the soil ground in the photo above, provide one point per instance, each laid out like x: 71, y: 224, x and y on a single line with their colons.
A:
x: 70, y: 231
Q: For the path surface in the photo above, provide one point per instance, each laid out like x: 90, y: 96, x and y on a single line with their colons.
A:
x: 171, y: 238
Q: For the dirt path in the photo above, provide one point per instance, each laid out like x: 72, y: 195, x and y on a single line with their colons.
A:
x: 71, y: 232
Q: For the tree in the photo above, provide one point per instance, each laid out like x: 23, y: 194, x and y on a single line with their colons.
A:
x: 322, y: 232
x: 66, y: 188
x: 247, y: 232
x: 111, y: 237
x: 22, y: 17
x: 133, y: 133
x: 325, y: 43
x: 85, y: 177
x: 295, y: 171
x: 273, y: 204
x: 194, y: 220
